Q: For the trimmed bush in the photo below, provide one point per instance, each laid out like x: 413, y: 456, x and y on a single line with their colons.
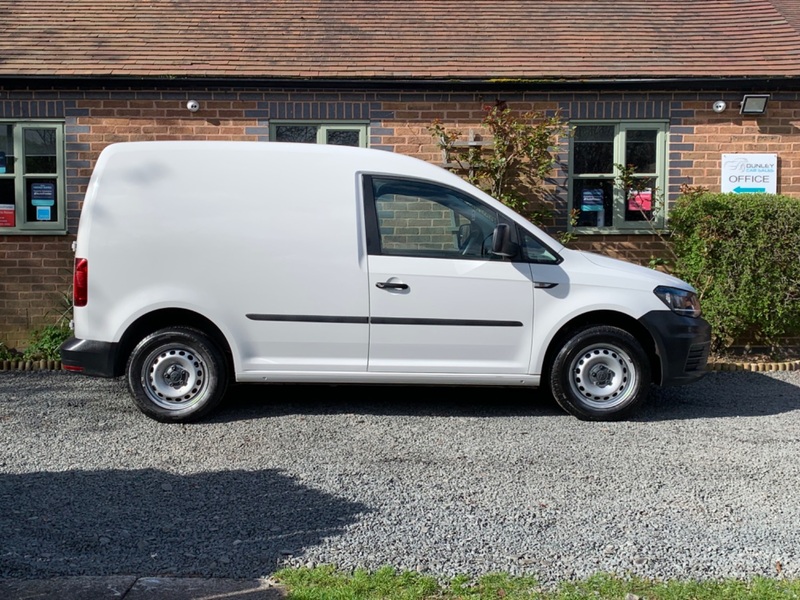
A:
x: 742, y: 253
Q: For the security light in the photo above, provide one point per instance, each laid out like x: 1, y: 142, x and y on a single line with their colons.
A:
x: 754, y: 104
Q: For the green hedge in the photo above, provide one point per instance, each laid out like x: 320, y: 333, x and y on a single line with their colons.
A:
x: 742, y: 253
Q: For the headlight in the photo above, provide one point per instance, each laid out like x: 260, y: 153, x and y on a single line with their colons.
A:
x: 682, y: 302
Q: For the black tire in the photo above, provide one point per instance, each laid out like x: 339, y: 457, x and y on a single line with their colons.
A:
x: 601, y: 373
x: 177, y: 375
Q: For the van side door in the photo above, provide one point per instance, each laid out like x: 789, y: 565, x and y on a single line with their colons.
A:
x: 440, y: 301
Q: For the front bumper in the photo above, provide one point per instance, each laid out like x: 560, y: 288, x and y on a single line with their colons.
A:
x: 90, y: 357
x: 682, y: 344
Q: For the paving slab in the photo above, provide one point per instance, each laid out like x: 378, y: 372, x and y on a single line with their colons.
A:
x: 144, y: 588
x: 66, y: 588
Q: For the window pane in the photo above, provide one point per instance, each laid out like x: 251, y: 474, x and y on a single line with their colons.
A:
x: 7, y: 203
x: 304, y: 134
x: 40, y: 200
x: 420, y: 219
x: 40, y: 150
x: 594, y: 199
x: 6, y: 149
x: 639, y: 206
x: 343, y: 137
x: 535, y: 251
x: 640, y: 150
x: 594, y: 149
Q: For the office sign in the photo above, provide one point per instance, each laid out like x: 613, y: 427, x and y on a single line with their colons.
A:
x: 750, y: 173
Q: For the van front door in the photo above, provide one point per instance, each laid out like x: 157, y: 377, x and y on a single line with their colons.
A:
x: 439, y: 301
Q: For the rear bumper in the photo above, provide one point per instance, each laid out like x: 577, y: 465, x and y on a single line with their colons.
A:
x: 682, y: 344
x: 90, y: 357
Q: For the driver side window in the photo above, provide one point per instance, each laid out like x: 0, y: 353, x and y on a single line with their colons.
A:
x: 417, y: 218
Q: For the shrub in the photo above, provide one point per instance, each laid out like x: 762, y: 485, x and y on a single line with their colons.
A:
x: 514, y: 163
x: 742, y: 253
x: 7, y: 353
x: 45, y: 342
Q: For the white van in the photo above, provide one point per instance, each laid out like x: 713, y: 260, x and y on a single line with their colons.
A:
x: 199, y: 263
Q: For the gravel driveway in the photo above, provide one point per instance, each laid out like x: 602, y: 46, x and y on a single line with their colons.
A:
x: 702, y: 484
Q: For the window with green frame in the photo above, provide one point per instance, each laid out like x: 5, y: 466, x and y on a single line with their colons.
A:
x: 32, y: 198
x: 598, y: 152
x: 315, y: 132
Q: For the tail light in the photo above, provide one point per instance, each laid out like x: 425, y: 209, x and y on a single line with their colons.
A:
x: 80, y: 282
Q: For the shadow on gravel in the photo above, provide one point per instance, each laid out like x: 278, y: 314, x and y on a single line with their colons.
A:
x: 256, y: 401
x: 726, y: 394
x: 227, y: 524
x: 731, y: 394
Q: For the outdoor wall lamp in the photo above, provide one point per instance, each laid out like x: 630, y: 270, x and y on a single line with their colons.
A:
x: 754, y: 104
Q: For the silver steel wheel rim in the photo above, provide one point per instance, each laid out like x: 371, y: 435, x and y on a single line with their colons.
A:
x: 175, y: 377
x: 603, y: 376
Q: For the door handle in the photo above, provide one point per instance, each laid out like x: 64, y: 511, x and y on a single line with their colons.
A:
x: 390, y: 285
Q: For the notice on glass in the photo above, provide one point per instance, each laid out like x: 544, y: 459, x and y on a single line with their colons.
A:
x: 43, y: 194
x: 8, y: 216
x: 641, y: 200
x: 592, y: 200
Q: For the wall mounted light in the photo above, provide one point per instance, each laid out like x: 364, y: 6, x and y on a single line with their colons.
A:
x: 193, y: 106
x: 754, y: 104
x: 719, y: 106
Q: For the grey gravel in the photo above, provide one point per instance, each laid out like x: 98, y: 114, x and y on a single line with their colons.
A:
x: 702, y: 484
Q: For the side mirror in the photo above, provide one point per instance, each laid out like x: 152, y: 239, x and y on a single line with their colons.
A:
x: 501, y: 241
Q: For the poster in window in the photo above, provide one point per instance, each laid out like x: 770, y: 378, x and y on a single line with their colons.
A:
x: 2, y: 162
x: 43, y: 198
x: 641, y: 201
x: 8, y: 215
x: 43, y: 194
x: 592, y: 202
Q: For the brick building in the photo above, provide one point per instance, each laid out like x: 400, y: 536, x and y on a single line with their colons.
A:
x: 655, y: 82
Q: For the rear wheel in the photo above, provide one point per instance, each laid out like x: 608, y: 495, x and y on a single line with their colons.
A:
x: 177, y: 375
x: 601, y: 373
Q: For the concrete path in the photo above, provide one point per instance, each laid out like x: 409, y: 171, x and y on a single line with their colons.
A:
x: 142, y: 588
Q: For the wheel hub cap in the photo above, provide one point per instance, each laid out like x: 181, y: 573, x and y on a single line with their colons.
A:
x: 601, y: 375
x: 176, y: 376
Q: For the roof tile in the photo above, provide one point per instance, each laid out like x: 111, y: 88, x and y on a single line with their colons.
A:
x: 411, y: 39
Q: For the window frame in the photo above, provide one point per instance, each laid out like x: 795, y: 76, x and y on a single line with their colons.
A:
x: 621, y: 129
x: 21, y: 177
x: 323, y: 127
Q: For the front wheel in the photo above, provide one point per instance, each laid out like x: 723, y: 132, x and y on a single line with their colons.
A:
x: 176, y: 375
x: 600, y: 374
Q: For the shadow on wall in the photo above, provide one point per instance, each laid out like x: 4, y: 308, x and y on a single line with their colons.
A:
x: 226, y: 524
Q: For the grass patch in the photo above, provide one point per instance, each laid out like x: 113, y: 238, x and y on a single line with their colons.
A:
x: 326, y: 583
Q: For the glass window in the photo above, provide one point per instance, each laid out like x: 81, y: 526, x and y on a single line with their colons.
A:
x: 6, y: 149
x: 303, y: 134
x: 338, y: 134
x: 31, y: 177
x: 423, y: 219
x: 601, y: 154
x: 537, y: 252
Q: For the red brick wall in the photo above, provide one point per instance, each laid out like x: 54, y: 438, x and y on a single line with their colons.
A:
x: 709, y: 135
x: 34, y: 269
